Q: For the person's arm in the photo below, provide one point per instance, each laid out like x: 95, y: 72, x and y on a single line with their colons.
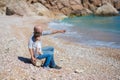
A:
x: 30, y: 49
x: 32, y: 55
x: 58, y: 31
x: 53, y: 32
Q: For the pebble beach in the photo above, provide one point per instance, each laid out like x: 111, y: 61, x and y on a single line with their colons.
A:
x: 78, y: 62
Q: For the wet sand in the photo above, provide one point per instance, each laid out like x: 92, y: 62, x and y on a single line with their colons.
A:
x: 78, y: 62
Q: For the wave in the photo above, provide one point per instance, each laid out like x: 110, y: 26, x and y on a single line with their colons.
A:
x: 59, y: 24
x: 102, y: 44
x: 92, y: 36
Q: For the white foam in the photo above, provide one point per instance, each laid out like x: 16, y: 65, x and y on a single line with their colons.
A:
x: 102, y: 43
x: 76, y: 36
x: 59, y: 25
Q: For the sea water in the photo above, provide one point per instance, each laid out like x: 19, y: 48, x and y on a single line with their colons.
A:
x: 90, y: 30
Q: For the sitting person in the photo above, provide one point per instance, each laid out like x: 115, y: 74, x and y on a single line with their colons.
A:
x: 37, y: 52
x: 37, y: 48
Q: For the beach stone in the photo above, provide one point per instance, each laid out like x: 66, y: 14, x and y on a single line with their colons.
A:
x: 33, y: 78
x: 61, y: 60
x: 118, y: 77
x: 39, y: 63
x: 79, y: 71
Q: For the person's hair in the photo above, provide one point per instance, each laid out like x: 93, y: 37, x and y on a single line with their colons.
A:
x: 35, y: 29
x: 37, y: 34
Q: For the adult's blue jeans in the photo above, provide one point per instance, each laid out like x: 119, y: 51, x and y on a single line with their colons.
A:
x: 48, y: 53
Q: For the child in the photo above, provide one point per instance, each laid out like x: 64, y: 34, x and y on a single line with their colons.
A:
x: 48, y: 52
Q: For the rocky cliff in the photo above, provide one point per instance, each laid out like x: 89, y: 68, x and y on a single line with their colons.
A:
x: 53, y: 8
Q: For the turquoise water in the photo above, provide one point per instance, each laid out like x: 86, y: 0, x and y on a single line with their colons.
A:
x: 91, y: 30
x: 111, y: 24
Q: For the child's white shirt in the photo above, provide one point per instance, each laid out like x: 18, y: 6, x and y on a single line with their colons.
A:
x: 37, y: 44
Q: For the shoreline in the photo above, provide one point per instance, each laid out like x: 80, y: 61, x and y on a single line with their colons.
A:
x: 104, y: 37
x: 78, y: 62
x: 88, y: 45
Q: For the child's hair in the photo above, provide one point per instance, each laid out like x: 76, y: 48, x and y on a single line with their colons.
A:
x: 37, y: 34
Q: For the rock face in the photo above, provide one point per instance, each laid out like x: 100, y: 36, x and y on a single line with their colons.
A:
x: 106, y: 9
x: 2, y: 7
x: 81, y: 12
x: 78, y: 7
x: 19, y: 7
x: 62, y: 6
x: 117, y: 4
x: 40, y: 9
x: 53, y: 8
